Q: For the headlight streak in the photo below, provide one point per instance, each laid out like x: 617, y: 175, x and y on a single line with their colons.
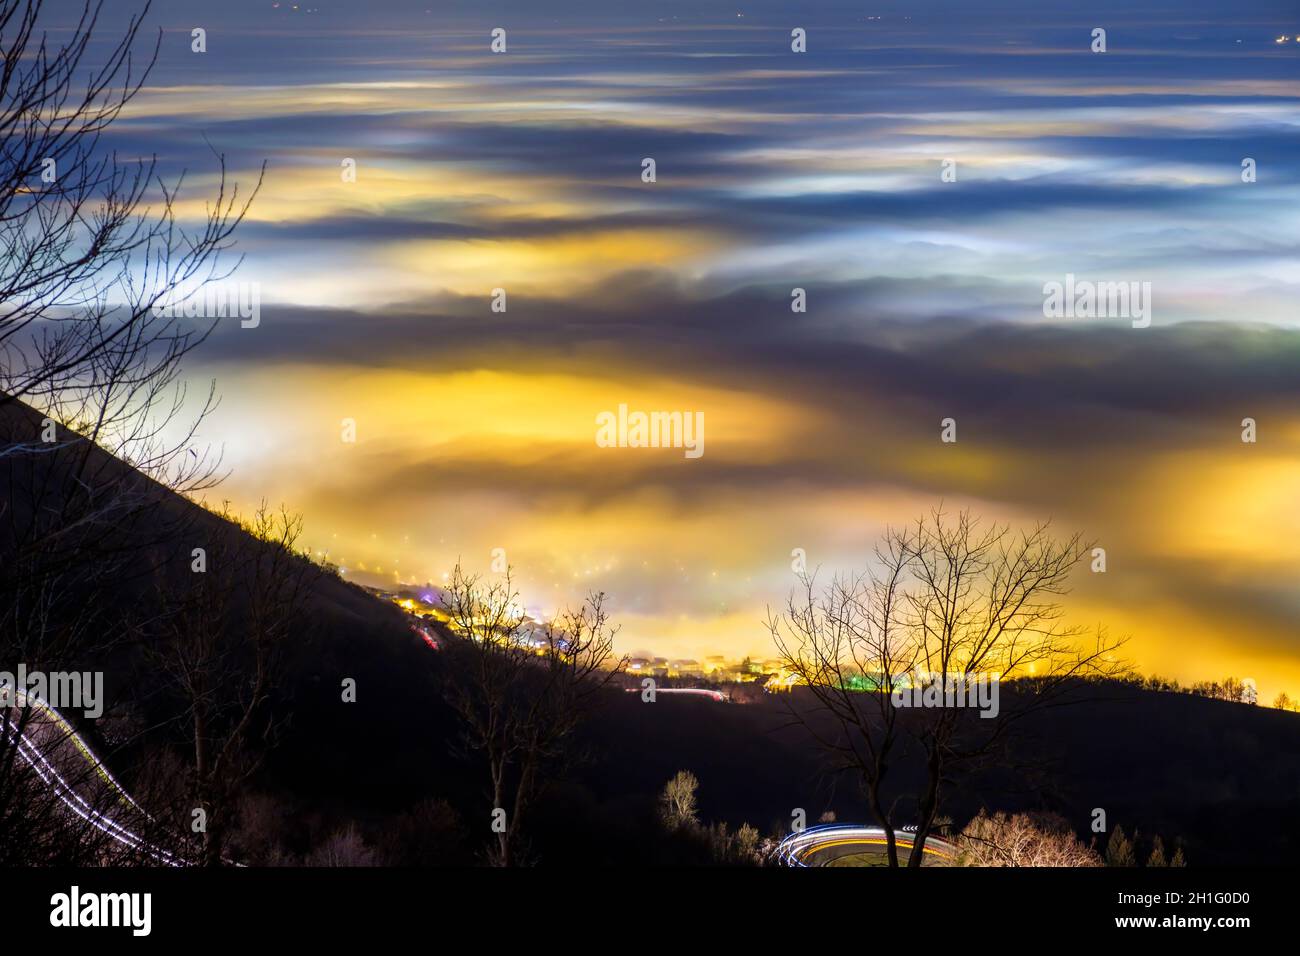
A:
x: 795, y: 848
x: 35, y: 758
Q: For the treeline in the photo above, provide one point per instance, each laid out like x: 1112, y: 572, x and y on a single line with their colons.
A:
x: 1234, y: 689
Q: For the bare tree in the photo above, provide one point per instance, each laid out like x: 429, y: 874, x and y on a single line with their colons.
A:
x: 522, y: 689
x: 949, y: 603
x: 850, y: 646
x: 1022, y: 839
x: 91, y: 244
x: 677, y: 802
x: 987, y: 606
x: 344, y: 847
x: 221, y: 650
x: 92, y: 411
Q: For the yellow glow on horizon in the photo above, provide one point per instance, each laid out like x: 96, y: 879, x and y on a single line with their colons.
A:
x: 1238, y: 507
x: 692, y: 573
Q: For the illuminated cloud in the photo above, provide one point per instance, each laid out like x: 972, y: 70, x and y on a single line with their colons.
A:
x: 476, y: 429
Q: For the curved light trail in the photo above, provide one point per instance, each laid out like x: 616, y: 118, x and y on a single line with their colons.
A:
x: 821, y: 845
x: 717, y: 695
x: 38, y: 756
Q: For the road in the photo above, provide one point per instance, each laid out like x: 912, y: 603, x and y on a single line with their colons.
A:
x: 705, y: 692
x: 69, y: 769
x: 838, y: 844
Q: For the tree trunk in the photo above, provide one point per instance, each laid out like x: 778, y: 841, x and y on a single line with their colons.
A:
x: 210, y: 848
x: 498, y: 802
x: 891, y: 844
x: 929, y: 806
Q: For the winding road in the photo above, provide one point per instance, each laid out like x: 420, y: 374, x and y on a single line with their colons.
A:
x: 69, y: 769
x: 843, y: 844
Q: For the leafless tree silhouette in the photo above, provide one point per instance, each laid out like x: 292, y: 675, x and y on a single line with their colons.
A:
x: 89, y: 367
x: 850, y: 637
x: 521, y: 691
x: 951, y: 602
x: 221, y: 650
x: 1022, y: 840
